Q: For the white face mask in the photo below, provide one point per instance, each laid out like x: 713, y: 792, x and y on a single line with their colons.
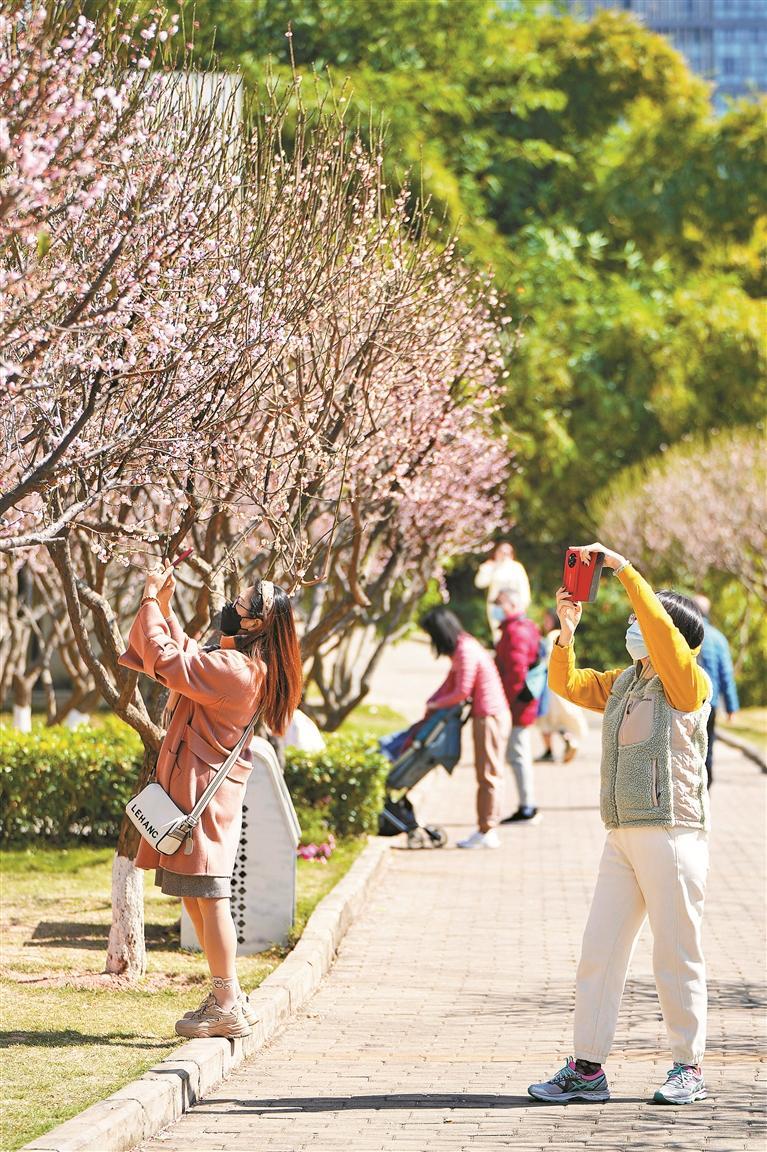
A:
x: 637, y: 649
x: 497, y: 613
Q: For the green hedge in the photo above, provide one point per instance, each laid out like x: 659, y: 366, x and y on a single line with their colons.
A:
x: 60, y: 783
x: 341, y: 788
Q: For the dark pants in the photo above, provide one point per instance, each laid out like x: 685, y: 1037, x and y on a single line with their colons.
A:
x: 710, y: 751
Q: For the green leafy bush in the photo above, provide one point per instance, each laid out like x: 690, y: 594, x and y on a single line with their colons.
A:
x: 343, y: 785
x: 59, y: 784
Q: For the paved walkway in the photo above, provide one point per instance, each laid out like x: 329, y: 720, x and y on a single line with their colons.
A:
x: 455, y: 990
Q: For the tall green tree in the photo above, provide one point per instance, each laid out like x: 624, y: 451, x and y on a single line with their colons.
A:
x: 626, y: 222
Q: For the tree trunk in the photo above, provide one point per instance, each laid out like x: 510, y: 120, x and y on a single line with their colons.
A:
x: 75, y: 718
x: 126, y: 950
x: 22, y: 703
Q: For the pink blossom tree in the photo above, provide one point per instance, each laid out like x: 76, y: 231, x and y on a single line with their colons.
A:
x: 697, y: 510
x: 212, y: 339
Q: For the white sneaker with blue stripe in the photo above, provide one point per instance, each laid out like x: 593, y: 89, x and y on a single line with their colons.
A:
x: 570, y: 1084
x: 684, y: 1085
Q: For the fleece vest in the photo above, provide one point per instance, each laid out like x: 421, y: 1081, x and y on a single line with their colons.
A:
x: 653, y: 757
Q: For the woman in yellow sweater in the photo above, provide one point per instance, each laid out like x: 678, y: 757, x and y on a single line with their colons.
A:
x: 654, y: 803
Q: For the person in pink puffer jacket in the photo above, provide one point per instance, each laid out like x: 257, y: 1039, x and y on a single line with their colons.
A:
x: 474, y: 676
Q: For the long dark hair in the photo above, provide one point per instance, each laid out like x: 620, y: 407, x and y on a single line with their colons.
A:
x: 277, y: 645
x: 443, y: 629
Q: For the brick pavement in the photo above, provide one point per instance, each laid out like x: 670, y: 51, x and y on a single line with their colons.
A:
x: 455, y: 990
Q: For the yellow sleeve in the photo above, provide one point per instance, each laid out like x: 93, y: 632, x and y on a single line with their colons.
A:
x: 683, y: 680
x: 582, y: 686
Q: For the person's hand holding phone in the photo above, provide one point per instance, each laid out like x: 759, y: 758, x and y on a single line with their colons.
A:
x: 161, y: 583
x: 569, y: 612
x: 611, y: 559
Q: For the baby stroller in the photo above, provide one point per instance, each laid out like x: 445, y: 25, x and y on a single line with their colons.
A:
x: 434, y: 740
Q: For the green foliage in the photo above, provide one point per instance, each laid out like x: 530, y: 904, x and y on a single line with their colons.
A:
x: 342, y: 785
x: 744, y: 624
x: 468, y: 603
x: 58, y: 784
x: 621, y: 357
x: 626, y: 222
x: 600, y: 641
x: 410, y: 34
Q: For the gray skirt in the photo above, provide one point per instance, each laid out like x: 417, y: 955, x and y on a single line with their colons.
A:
x: 206, y: 887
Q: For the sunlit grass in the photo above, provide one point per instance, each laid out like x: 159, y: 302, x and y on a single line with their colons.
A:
x: 749, y: 724
x: 372, y: 720
x: 62, y: 1022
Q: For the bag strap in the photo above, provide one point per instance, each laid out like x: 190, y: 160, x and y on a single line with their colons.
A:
x: 193, y: 818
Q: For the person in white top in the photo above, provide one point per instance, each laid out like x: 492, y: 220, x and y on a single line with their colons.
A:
x: 502, y: 572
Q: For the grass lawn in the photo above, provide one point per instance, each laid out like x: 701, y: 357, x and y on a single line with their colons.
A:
x: 62, y: 1023
x: 749, y: 724
x: 372, y: 720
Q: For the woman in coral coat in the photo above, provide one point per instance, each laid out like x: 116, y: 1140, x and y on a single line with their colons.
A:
x: 256, y: 669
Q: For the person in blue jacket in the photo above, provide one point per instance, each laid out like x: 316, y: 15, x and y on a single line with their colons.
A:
x: 716, y: 660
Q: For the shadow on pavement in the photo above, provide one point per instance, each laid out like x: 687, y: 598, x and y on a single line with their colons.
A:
x: 375, y: 1103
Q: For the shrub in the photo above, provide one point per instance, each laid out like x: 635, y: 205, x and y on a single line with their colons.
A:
x: 58, y: 783
x: 314, y: 826
x: 343, y: 785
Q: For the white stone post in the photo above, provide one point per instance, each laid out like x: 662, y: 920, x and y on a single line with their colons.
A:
x: 264, y: 880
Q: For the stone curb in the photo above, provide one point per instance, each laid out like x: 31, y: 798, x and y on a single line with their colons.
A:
x: 743, y: 746
x: 168, y: 1089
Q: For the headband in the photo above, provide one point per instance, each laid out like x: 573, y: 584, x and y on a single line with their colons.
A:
x: 267, y: 595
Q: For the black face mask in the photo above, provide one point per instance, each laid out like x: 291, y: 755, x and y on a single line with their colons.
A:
x: 231, y: 621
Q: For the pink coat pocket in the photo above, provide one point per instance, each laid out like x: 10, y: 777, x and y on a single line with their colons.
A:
x: 215, y: 757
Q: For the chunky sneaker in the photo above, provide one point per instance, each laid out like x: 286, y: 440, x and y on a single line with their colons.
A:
x: 210, y: 1020
x: 570, y: 1084
x: 479, y: 839
x: 247, y: 1010
x: 684, y: 1085
x: 524, y: 816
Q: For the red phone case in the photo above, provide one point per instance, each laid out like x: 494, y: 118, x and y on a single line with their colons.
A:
x: 582, y: 580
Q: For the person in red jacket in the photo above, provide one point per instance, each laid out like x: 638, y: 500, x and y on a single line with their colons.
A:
x: 518, y: 649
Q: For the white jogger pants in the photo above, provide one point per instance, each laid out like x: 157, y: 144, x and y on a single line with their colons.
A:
x: 659, y: 873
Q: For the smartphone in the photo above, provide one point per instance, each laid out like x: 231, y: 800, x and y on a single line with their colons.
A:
x: 175, y: 563
x: 582, y: 580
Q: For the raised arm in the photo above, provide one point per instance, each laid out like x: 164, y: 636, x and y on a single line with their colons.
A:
x: 683, y: 680
x: 484, y: 576
x: 177, y: 663
x: 583, y: 686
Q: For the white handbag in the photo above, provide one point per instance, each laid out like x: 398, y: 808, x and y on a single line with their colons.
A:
x: 160, y: 820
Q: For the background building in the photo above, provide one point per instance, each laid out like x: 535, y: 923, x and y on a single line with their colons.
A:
x: 725, y: 41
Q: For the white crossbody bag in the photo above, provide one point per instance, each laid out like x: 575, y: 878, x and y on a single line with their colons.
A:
x: 160, y: 820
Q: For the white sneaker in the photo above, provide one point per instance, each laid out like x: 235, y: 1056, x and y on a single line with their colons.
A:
x: 684, y: 1085
x: 489, y: 839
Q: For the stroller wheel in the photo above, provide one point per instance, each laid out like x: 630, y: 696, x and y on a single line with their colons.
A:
x: 438, y: 836
x: 417, y: 838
